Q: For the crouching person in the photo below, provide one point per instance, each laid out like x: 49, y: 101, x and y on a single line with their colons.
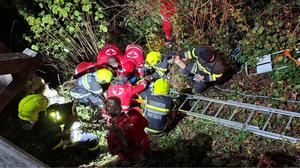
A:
x: 126, y: 137
x: 90, y: 87
x: 158, y: 107
x: 205, y: 69
x: 54, y: 125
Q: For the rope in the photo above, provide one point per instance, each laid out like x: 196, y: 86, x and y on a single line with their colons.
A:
x: 256, y: 96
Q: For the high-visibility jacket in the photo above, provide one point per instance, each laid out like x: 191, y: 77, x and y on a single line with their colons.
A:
x: 90, y: 83
x: 125, y: 92
x: 159, y: 70
x: 109, y: 50
x: 30, y: 106
x: 157, y: 109
x: 134, y: 140
x: 211, y: 71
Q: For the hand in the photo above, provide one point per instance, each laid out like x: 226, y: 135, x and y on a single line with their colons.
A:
x: 198, y: 78
x: 179, y: 62
x: 149, y: 77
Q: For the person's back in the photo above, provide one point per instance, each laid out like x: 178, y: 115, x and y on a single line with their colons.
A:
x: 157, y: 112
x: 158, y: 107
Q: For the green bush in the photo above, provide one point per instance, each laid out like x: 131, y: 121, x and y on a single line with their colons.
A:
x: 66, y: 32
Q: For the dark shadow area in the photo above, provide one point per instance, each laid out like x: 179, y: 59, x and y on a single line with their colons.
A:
x: 277, y: 159
x: 186, y: 153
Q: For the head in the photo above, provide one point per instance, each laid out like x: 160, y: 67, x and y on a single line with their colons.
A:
x: 30, y: 107
x: 119, y: 80
x: 113, y: 106
x: 104, y: 75
x: 153, y: 58
x: 38, y: 84
x: 204, y: 53
x: 161, y: 86
x: 112, y: 61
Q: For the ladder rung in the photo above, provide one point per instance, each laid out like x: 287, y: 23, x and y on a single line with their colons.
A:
x: 266, y: 124
x: 289, y: 122
x: 220, y: 109
x: 183, y: 104
x: 194, y: 105
x: 206, y: 107
x: 250, y: 116
x: 234, y: 112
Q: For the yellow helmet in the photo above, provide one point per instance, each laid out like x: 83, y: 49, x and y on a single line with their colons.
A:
x: 31, y: 105
x: 161, y: 86
x: 153, y: 58
x: 104, y: 75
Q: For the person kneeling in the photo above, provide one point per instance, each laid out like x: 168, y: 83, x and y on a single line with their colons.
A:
x: 158, y: 107
x: 126, y: 137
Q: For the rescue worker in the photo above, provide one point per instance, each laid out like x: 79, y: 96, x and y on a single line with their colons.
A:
x: 53, y: 124
x: 167, y: 10
x: 158, y: 107
x: 132, y: 62
x: 123, y: 89
x: 205, y: 69
x: 108, y: 57
x: 89, y: 88
x: 156, y: 65
x: 126, y: 137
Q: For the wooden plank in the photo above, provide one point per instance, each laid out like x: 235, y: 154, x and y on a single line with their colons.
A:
x: 14, y: 62
x: 19, y: 80
x: 13, y: 156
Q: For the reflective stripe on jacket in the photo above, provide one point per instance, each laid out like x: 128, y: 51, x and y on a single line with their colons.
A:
x: 211, y: 71
x: 90, y: 82
x: 157, y: 109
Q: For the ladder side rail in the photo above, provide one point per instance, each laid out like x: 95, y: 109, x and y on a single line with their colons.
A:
x: 248, y: 106
x: 240, y: 126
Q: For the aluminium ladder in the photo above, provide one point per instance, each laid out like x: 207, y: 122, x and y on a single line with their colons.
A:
x: 248, y: 124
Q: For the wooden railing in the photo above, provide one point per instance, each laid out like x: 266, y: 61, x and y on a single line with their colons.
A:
x: 21, y: 66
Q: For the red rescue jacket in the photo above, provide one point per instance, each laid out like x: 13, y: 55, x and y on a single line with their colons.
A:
x: 109, y: 50
x: 132, y: 127
x: 134, y: 53
x: 125, y: 92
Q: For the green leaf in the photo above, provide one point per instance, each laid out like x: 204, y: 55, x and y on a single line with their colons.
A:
x: 260, y: 30
x: 297, y: 87
x: 35, y: 47
x: 76, y: 13
x: 103, y: 28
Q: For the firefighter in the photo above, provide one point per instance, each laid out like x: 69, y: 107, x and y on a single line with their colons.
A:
x: 126, y: 137
x: 123, y: 89
x: 156, y: 65
x: 54, y: 124
x: 158, y: 107
x: 206, y: 67
x: 89, y: 88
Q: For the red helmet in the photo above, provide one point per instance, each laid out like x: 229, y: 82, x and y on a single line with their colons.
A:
x: 84, y: 66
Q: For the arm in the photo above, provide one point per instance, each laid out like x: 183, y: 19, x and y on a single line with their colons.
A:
x: 138, y: 88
